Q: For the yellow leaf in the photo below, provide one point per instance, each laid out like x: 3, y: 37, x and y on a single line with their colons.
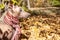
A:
x: 2, y: 6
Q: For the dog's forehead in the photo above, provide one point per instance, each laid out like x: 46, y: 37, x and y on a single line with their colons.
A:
x: 17, y: 8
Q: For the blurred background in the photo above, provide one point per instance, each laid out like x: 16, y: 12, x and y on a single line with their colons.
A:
x: 44, y: 21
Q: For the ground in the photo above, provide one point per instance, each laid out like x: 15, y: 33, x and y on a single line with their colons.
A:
x: 41, y: 27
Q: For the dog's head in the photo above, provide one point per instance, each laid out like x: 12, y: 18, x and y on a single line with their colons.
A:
x: 18, y: 11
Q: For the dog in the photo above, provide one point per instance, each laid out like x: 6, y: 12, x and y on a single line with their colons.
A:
x: 6, y: 30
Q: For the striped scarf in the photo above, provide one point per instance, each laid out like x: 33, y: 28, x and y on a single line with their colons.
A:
x: 12, y: 21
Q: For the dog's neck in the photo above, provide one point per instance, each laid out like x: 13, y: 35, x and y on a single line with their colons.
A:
x: 1, y: 19
x: 3, y: 14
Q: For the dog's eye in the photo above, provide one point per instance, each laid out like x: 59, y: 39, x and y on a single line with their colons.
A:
x: 20, y: 10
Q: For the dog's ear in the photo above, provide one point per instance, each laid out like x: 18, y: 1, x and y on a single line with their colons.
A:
x: 16, y: 9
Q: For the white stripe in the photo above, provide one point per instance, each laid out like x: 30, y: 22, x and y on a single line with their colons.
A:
x: 7, y: 17
x: 10, y: 13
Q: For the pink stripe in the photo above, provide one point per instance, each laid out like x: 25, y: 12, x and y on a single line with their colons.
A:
x: 9, y: 15
x: 16, y: 35
x: 7, y: 21
x: 15, y: 19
